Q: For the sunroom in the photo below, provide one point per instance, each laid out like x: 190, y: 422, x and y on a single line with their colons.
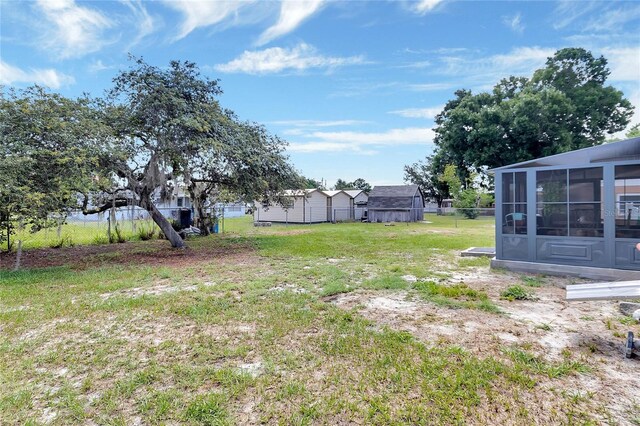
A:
x: 579, y: 209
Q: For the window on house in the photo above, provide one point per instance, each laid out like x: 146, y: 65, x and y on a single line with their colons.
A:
x: 627, y: 195
x: 180, y: 201
x: 569, y: 202
x: 514, y: 203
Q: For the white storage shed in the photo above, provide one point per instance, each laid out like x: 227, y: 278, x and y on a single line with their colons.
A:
x: 339, y: 206
x: 305, y: 206
x: 360, y: 199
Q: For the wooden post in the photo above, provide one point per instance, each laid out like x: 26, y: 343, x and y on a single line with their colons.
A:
x: 18, y: 256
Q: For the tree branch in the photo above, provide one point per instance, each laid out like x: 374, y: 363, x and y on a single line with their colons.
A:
x: 119, y: 202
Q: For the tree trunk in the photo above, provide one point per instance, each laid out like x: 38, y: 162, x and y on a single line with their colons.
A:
x: 202, y: 219
x: 163, y: 223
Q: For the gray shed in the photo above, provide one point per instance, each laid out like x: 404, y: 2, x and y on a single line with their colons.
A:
x: 397, y: 203
x: 580, y: 208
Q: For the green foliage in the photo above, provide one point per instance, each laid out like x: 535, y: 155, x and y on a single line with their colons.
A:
x: 516, y: 292
x: 46, y: 157
x: 146, y: 233
x: 359, y: 183
x: 341, y: 184
x: 468, y: 201
x: 426, y: 174
x: 562, y: 107
x: 533, y: 281
x: 100, y: 239
x: 633, y: 132
x: 65, y: 241
x: 118, y: 236
x: 310, y: 183
x: 452, y: 180
x: 208, y: 410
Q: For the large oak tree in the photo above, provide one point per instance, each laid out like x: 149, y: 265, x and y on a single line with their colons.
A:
x: 564, y: 106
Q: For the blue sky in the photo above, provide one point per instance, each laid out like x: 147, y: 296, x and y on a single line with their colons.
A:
x: 353, y: 86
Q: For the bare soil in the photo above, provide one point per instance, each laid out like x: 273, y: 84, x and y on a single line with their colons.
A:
x: 549, y: 327
x: 150, y: 253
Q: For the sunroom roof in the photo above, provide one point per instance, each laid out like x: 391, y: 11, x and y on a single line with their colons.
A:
x: 614, y: 151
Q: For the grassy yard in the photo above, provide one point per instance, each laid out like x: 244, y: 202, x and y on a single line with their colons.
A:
x: 322, y: 324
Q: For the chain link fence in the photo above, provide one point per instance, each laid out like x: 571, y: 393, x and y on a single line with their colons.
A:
x: 310, y: 215
x: 130, y: 223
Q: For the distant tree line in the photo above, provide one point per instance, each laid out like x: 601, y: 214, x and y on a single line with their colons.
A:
x: 561, y: 107
x: 155, y: 127
x: 359, y: 183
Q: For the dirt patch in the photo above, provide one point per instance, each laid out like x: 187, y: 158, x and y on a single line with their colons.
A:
x: 155, y: 290
x: 140, y: 252
x: 288, y: 287
x: 549, y: 327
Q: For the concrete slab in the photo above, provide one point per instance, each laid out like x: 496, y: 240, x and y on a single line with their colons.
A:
x: 479, y: 252
x: 601, y: 274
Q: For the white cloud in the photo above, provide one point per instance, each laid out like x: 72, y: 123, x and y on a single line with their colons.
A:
x: 362, y: 142
x: 483, y: 69
x: 47, y: 77
x: 204, y: 13
x: 430, y: 87
x: 428, y: 113
x: 421, y: 7
x: 333, y: 147
x: 75, y: 31
x: 318, y: 123
x: 277, y: 59
x: 415, y: 65
x: 624, y: 63
x: 613, y: 19
x: 514, y: 22
x: 568, y: 11
x: 143, y: 21
x: 97, y: 66
x: 595, y: 16
x: 292, y: 14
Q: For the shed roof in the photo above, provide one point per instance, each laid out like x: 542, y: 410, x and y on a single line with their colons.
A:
x: 353, y: 193
x: 615, y: 151
x: 393, y: 196
x: 300, y: 192
x: 334, y: 193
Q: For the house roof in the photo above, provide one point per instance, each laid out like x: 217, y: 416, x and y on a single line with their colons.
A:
x: 393, y: 196
x: 615, y: 151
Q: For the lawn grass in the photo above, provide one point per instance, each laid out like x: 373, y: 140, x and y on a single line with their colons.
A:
x: 251, y: 339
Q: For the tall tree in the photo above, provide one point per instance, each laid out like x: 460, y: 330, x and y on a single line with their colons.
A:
x: 426, y: 174
x: 361, y: 184
x: 564, y: 106
x: 310, y: 183
x: 169, y: 129
x: 341, y: 184
x: 246, y: 161
x: 48, y: 154
x: 598, y: 109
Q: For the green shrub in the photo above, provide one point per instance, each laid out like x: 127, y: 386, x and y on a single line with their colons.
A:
x: 61, y: 242
x: 100, y: 239
x: 117, y: 236
x: 146, y: 233
x: 516, y: 292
